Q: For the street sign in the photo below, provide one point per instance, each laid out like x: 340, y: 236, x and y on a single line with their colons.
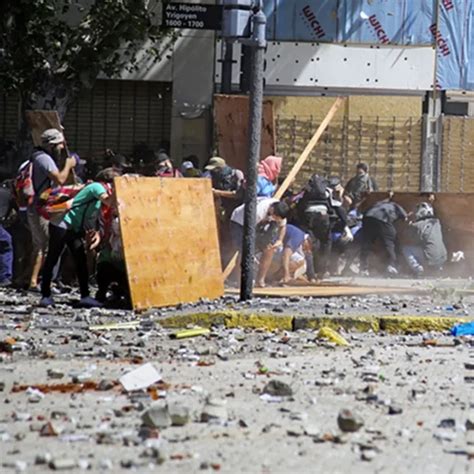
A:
x: 196, y: 16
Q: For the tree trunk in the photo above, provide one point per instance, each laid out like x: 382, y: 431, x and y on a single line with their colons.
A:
x: 49, y: 96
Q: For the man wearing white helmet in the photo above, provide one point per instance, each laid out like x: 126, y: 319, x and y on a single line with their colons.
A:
x: 426, y: 250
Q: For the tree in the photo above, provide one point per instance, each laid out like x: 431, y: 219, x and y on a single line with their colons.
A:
x: 54, y: 48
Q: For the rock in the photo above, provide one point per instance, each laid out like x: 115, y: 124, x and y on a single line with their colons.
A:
x: 55, y: 374
x: 277, y: 388
x: 470, y: 424
x: 105, y: 464
x: 43, y: 458
x: 447, y: 423
x: 157, y: 416
x: 105, y: 385
x: 214, y: 409
x: 349, y: 421
x: 62, y: 464
x: 368, y: 454
x: 395, y: 409
x: 179, y: 413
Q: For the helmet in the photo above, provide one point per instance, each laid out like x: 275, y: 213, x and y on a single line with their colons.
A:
x: 423, y: 211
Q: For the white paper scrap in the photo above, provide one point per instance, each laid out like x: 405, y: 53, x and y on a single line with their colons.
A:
x: 140, y: 378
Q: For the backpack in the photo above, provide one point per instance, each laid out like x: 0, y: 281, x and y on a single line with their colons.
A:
x: 224, y: 179
x: 22, y: 187
x: 316, y: 188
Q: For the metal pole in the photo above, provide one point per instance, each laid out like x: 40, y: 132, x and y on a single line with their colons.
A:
x: 255, y: 131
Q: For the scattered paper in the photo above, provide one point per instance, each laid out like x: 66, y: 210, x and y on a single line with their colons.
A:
x: 140, y: 378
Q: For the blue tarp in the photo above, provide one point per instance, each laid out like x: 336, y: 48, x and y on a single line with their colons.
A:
x: 448, y: 24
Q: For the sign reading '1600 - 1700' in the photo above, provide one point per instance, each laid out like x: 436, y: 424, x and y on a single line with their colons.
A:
x: 192, y: 15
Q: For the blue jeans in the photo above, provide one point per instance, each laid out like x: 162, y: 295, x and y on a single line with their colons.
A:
x: 6, y: 255
x: 415, y: 257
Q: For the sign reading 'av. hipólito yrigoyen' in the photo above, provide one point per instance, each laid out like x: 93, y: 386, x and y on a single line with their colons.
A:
x: 196, y: 16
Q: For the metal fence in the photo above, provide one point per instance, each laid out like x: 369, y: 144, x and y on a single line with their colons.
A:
x: 390, y: 146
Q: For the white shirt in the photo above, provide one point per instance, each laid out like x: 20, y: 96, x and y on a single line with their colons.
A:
x: 263, y: 205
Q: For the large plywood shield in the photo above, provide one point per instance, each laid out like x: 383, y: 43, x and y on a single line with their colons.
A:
x: 169, y: 235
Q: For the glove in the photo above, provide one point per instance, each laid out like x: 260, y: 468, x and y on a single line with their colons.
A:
x: 347, y: 236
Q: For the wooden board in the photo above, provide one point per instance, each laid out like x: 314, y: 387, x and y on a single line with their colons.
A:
x: 325, y: 291
x: 41, y: 120
x: 231, y: 117
x: 169, y: 235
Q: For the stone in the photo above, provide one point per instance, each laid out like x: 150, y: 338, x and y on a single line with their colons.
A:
x: 276, y: 388
x: 447, y: 423
x: 55, y: 374
x: 106, y: 464
x: 157, y: 416
x: 368, y: 454
x: 348, y: 421
x: 470, y: 423
x: 214, y: 409
x: 394, y: 409
x: 105, y: 385
x: 62, y: 464
x: 179, y: 413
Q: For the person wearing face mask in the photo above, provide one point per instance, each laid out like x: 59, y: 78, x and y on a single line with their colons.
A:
x: 45, y: 174
x: 164, y: 167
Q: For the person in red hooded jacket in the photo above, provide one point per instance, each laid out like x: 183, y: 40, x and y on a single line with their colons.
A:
x: 268, y: 172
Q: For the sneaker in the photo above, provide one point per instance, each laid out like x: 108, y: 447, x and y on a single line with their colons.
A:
x: 391, y: 270
x: 89, y: 302
x: 46, y: 301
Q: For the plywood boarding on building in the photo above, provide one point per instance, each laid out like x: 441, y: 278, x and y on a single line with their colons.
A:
x: 457, y: 158
x: 231, y: 117
x: 390, y: 145
x: 170, y: 240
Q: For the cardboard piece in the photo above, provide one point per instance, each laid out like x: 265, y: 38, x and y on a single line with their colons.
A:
x: 231, y: 119
x: 140, y: 378
x: 169, y: 235
x: 41, y: 120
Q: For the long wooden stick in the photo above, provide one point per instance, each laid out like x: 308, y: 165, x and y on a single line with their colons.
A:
x: 296, y: 167
x: 309, y: 148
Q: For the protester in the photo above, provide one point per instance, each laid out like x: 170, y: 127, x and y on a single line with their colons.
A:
x: 45, y: 174
x: 111, y: 273
x: 6, y: 246
x: 268, y: 171
x: 78, y: 223
x: 426, y: 250
x: 294, y: 258
x: 164, y: 167
x: 378, y: 225
x: 189, y: 171
x: 360, y: 185
x: 120, y: 164
x: 223, y: 176
x: 271, y: 226
x: 319, y: 214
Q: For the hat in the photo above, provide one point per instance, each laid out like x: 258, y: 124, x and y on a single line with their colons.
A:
x: 187, y: 165
x: 107, y: 175
x: 215, y: 162
x: 52, y: 137
x: 162, y: 156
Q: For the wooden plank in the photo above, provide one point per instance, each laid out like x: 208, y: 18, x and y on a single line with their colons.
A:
x: 169, y: 234
x: 325, y: 291
x: 231, y: 116
x: 309, y: 148
x: 41, y: 120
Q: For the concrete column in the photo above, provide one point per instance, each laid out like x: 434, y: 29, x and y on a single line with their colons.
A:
x: 193, y: 87
x: 431, y: 151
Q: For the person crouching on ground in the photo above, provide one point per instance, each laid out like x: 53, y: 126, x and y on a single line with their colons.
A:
x: 78, y: 223
x: 271, y: 227
x: 427, y: 250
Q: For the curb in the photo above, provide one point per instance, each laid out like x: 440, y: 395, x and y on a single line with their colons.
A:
x: 272, y: 322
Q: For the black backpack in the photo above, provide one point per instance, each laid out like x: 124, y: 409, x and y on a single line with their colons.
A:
x: 316, y: 189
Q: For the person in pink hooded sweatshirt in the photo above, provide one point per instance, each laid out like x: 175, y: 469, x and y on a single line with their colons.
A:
x: 268, y: 172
